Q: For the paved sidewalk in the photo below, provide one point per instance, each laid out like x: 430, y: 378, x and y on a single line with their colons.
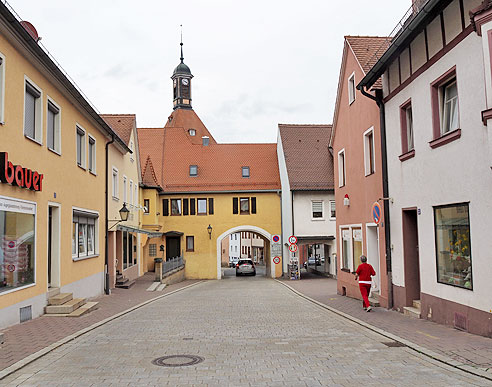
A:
x: 463, y: 347
x: 24, y: 339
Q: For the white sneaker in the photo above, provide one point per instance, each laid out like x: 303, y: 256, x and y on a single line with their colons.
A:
x: 369, y: 309
x: 364, y: 308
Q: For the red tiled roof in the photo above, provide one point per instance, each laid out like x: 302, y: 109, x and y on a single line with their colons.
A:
x: 172, y: 150
x: 309, y: 162
x: 149, y: 179
x: 122, y: 124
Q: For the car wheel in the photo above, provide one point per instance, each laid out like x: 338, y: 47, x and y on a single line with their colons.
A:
x: 254, y: 273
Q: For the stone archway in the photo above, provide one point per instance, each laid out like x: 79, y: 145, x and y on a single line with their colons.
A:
x: 255, y: 229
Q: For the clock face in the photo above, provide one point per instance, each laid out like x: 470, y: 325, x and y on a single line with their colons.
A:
x: 185, y: 82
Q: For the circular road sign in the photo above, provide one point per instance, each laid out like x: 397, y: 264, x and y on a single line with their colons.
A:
x: 11, y: 244
x: 292, y: 239
x: 276, y: 260
x: 11, y: 268
x: 276, y: 238
x: 376, y: 213
x: 293, y: 248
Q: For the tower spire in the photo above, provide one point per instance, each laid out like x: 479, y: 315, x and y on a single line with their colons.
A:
x: 181, y: 44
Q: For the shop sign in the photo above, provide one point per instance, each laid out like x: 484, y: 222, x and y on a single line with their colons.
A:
x: 18, y: 176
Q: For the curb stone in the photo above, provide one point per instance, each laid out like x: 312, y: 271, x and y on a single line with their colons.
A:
x: 29, y: 359
x: 424, y: 351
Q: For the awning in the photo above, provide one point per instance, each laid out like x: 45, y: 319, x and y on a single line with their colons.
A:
x: 314, y: 240
x: 151, y: 234
x: 173, y: 234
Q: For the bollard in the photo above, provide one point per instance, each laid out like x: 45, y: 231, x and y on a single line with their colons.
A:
x: 158, y: 269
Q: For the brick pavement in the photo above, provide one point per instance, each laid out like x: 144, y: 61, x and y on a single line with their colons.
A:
x: 250, y: 331
x: 29, y: 337
x: 461, y: 346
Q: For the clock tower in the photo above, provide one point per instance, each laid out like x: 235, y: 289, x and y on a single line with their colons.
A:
x: 182, y: 84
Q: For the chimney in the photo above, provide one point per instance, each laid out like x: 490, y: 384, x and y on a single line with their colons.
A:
x: 205, y: 140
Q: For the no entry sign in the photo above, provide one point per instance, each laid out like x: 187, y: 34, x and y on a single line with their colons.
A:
x: 292, y: 239
x: 376, y: 213
x: 276, y: 260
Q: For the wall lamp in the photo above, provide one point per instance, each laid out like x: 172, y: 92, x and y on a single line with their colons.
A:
x: 123, y: 216
x: 209, y: 229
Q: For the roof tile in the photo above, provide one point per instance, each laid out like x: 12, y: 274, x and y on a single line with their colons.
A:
x: 122, y: 124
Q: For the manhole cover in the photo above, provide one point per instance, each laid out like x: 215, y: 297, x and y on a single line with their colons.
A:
x: 177, y: 360
x: 394, y: 344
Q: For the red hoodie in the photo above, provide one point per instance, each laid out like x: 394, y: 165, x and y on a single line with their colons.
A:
x: 365, y: 271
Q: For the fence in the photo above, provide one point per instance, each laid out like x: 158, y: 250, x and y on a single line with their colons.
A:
x: 172, y: 264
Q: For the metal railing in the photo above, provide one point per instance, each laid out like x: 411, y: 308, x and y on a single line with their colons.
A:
x: 172, y: 264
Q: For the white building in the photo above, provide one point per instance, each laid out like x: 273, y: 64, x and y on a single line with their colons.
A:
x: 234, y: 246
x: 308, y: 198
x: 437, y: 96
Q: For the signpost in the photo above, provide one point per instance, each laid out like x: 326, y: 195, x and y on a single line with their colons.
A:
x: 276, y: 260
x: 376, y: 213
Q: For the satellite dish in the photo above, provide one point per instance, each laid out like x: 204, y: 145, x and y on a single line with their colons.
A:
x: 31, y: 30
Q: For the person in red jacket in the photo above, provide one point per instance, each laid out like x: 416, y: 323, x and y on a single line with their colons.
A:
x: 364, y: 273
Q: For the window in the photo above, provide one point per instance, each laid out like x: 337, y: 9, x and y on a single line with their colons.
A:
x: 445, y: 109
x: 186, y: 207
x: 80, y: 146
x: 135, y: 195
x: 244, y: 203
x: 152, y: 250
x: 115, y: 183
x: 253, y: 205
x: 245, y: 171
x: 17, y: 244
x: 175, y: 206
x: 210, y: 206
x: 83, y: 234
x: 190, y: 243
x: 406, y: 126
x: 92, y: 154
x: 341, y: 168
x: 32, y: 112
x: 165, y: 207
x: 369, y: 152
x: 351, y: 88
x: 202, y: 206
x: 146, y: 206
x: 317, y: 209
x: 128, y: 249
x: 345, y: 248
x: 131, y: 192
x: 235, y: 206
x: 356, y: 246
x: 53, y: 127
x: 2, y: 88
x: 332, y: 210
x: 193, y: 170
x: 192, y: 207
x: 192, y: 132
x: 125, y: 193
x: 453, y: 245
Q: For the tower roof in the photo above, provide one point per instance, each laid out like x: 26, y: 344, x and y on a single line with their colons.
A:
x: 182, y: 68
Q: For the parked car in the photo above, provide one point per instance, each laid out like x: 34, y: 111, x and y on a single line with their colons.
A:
x: 245, y: 266
x: 233, y: 262
x: 310, y: 261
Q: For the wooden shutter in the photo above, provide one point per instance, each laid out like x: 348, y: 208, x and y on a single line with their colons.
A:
x: 192, y: 207
x: 210, y: 206
x: 253, y: 205
x: 185, y: 206
x: 165, y: 207
x: 235, y: 206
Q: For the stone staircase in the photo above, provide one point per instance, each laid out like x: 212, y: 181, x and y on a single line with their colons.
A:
x: 64, y: 305
x: 123, y: 282
x: 412, y: 311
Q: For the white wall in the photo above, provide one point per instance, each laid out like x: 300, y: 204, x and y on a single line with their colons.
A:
x: 453, y: 173
x: 286, y: 204
x: 304, y: 224
x: 234, y: 245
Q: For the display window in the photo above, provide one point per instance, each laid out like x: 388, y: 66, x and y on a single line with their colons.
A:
x: 84, y: 235
x: 357, y: 247
x: 453, y: 245
x: 17, y: 244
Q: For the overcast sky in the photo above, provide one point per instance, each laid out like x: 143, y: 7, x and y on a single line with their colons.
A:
x: 255, y: 63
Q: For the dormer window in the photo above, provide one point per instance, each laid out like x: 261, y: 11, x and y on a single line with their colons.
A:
x: 205, y: 140
x: 245, y: 171
x: 193, y: 170
x: 192, y: 132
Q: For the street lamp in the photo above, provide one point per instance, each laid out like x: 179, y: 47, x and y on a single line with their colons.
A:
x: 209, y: 229
x: 123, y: 216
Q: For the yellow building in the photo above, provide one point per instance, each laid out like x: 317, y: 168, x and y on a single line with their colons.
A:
x: 52, y: 179
x: 198, y: 192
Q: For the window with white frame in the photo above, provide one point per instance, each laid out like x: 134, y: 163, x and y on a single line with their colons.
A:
x: 33, y: 112
x: 92, y: 154
x: 406, y: 126
x: 84, y: 234
x: 445, y: 108
x: 317, y: 209
x: 351, y: 88
x: 125, y: 193
x: 2, y: 87
x: 345, y: 248
x: 332, y: 210
x: 449, y: 106
x: 53, y: 126
x: 115, y: 183
x: 341, y: 168
x: 369, y: 159
x: 80, y: 146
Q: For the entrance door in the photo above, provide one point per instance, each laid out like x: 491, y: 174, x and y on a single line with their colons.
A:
x: 173, y: 247
x: 53, y: 246
x: 411, y: 256
x: 373, y: 255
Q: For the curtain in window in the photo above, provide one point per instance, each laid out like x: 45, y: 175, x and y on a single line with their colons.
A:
x: 30, y: 115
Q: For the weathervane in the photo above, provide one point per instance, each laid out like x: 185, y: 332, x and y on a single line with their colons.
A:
x: 181, y: 44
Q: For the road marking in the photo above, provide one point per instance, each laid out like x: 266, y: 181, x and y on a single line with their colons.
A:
x: 426, y: 334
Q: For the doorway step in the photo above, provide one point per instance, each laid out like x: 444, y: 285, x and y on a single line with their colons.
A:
x: 374, y: 299
x: 64, y: 305
x: 123, y: 282
x: 412, y: 311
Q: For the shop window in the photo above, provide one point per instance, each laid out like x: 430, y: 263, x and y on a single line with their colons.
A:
x: 356, y: 247
x: 317, y: 209
x: 175, y: 206
x: 146, y: 206
x: 244, y: 206
x: 202, y: 206
x: 115, y: 183
x: 80, y: 146
x: 33, y: 112
x: 83, y: 235
x: 53, y: 127
x: 152, y: 250
x: 341, y: 168
x: 128, y: 251
x: 453, y: 245
x: 17, y: 244
x: 92, y: 154
x: 190, y: 243
x: 369, y: 160
x: 351, y: 88
x: 333, y: 212
x: 346, y: 249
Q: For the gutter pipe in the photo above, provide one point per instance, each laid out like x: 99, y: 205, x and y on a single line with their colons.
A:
x: 106, y: 247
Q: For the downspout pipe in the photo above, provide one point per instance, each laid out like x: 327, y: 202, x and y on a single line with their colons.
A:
x: 378, y: 98
x: 106, y: 246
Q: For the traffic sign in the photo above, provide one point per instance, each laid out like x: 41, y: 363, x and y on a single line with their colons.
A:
x: 276, y: 260
x: 11, y: 244
x: 292, y: 248
x: 276, y: 238
x: 11, y: 268
x: 376, y: 213
x: 292, y: 239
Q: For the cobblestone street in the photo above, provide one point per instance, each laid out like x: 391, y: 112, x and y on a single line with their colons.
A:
x: 250, y: 331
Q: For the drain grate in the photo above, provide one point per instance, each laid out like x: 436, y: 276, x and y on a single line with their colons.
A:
x: 177, y: 360
x: 394, y: 344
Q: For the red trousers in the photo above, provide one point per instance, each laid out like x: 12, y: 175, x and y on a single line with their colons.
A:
x: 365, y: 289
